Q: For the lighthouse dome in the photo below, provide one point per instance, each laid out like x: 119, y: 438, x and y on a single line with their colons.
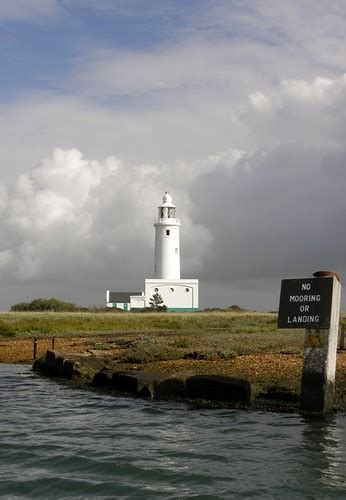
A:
x: 167, y: 200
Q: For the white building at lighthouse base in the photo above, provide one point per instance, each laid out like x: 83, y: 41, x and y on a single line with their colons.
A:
x: 177, y: 295
x: 180, y: 295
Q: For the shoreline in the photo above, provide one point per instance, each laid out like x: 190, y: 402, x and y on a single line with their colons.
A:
x: 242, y: 345
x: 270, y: 391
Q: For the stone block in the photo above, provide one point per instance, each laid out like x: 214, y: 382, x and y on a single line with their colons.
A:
x: 125, y: 382
x: 68, y: 369
x: 170, y: 388
x: 50, y: 358
x: 101, y: 379
x: 140, y: 383
x: 218, y: 388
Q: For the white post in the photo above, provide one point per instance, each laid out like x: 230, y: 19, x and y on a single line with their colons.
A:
x: 320, y: 348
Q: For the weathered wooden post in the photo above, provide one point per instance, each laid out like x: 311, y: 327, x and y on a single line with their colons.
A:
x: 34, y: 354
x: 53, y: 343
x: 314, y: 304
x: 342, y: 337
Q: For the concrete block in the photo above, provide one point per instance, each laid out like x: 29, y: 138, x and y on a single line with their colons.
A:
x: 124, y: 382
x: 101, y: 379
x: 170, y: 388
x: 140, y: 383
x: 218, y: 388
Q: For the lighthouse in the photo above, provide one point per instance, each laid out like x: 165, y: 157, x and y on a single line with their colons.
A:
x: 167, y: 246
x: 178, y: 294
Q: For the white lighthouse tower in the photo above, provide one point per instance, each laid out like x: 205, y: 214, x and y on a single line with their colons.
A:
x: 177, y: 294
x: 167, y: 249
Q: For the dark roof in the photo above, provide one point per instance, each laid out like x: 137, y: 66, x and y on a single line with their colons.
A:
x: 122, y: 297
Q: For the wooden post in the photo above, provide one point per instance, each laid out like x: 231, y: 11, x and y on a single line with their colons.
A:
x: 318, y: 378
x: 34, y: 354
x: 53, y: 343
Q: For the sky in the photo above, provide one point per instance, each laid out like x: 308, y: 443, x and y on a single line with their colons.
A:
x: 236, y: 107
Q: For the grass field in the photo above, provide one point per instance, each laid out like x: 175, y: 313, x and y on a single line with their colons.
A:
x: 158, y: 336
x: 65, y: 323
x: 162, y: 335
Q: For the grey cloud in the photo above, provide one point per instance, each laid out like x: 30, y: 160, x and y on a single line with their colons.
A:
x: 31, y: 11
x: 280, y: 214
x: 279, y: 211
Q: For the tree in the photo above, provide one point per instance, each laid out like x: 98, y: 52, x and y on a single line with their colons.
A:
x: 156, y: 303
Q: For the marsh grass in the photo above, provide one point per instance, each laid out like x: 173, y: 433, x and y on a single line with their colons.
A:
x: 6, y: 330
x: 154, y: 337
x: 24, y: 324
x: 182, y: 342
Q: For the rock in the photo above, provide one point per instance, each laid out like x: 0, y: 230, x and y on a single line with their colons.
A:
x: 277, y: 393
x: 140, y: 383
x: 196, y: 355
x: 68, y: 368
x: 125, y: 382
x: 59, y: 363
x: 39, y: 365
x: 218, y: 388
x: 101, y: 379
x: 146, y: 392
x: 50, y: 358
x: 170, y: 388
x: 56, y: 365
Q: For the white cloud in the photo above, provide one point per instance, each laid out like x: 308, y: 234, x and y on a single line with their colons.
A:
x: 321, y: 91
x: 306, y: 112
x: 71, y: 218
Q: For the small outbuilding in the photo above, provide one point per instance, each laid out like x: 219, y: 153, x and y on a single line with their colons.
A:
x: 122, y: 300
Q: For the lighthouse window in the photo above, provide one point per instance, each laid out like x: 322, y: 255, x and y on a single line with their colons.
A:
x: 187, y: 290
x: 167, y: 232
x: 172, y: 289
x: 156, y: 289
x: 171, y: 212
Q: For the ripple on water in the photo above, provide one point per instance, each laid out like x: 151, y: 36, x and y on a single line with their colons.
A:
x: 61, y: 442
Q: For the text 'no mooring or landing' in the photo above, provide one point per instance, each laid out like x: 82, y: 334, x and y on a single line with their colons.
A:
x: 305, y: 303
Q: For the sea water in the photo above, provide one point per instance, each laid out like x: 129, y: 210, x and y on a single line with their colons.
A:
x: 60, y: 442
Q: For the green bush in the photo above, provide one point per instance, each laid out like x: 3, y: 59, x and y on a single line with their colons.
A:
x: 45, y: 305
x: 21, y: 306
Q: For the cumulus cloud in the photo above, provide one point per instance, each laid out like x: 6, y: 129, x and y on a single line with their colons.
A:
x: 75, y: 220
x: 248, y: 216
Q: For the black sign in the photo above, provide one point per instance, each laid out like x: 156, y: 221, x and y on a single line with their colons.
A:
x: 305, y: 303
